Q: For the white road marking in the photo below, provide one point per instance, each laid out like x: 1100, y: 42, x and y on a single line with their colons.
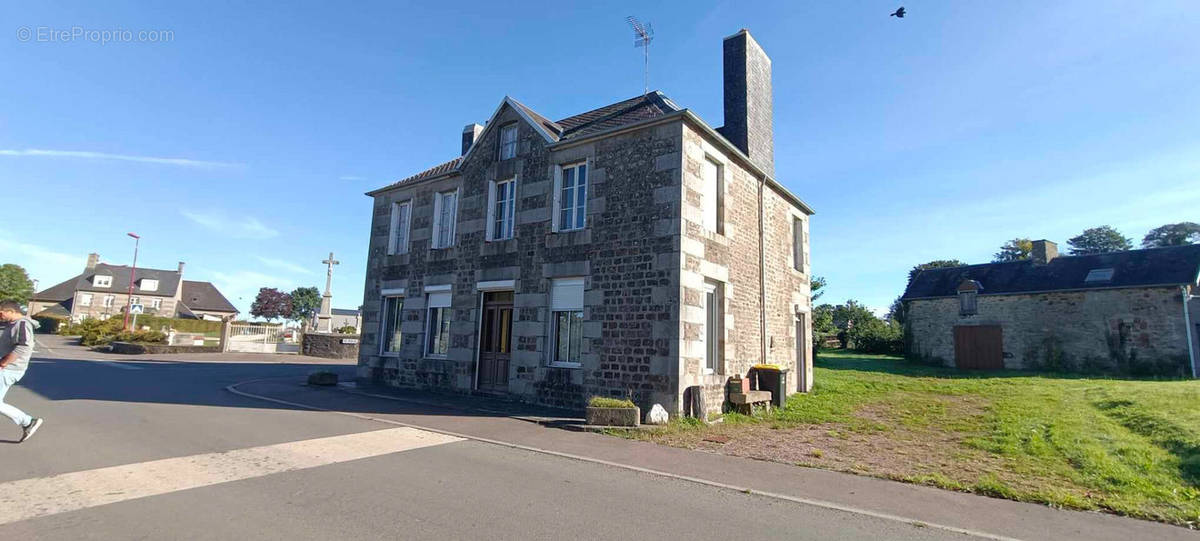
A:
x: 122, y: 366
x: 30, y: 498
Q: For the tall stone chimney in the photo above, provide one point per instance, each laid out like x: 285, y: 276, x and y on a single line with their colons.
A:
x: 1044, y: 251
x: 92, y: 260
x: 749, y: 110
x: 470, y: 134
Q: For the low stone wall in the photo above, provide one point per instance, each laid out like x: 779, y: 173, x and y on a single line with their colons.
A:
x: 330, y: 345
x: 130, y: 348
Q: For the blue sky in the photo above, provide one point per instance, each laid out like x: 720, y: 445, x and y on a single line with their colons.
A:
x: 244, y: 143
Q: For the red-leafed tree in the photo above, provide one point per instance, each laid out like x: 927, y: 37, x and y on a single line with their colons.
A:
x: 271, y: 303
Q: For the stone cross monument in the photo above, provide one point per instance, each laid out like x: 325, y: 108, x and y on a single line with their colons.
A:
x: 325, y: 315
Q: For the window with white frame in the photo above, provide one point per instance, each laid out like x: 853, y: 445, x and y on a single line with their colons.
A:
x: 714, y: 312
x: 798, y: 244
x: 566, y: 332
x: 713, y: 199
x: 391, y: 338
x: 508, y: 141
x: 108, y: 301
x: 149, y: 284
x: 102, y: 280
x: 156, y: 303
x: 445, y: 214
x: 135, y: 300
x: 398, y: 232
x: 437, y: 324
x: 85, y: 299
x: 502, y: 199
x: 570, y: 197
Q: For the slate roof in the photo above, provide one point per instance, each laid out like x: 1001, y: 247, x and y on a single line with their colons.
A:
x: 59, y: 292
x: 168, y: 280
x: 1177, y: 265
x: 205, y: 297
x: 615, y: 115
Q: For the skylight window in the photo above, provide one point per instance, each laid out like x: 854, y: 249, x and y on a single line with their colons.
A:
x: 1099, y: 275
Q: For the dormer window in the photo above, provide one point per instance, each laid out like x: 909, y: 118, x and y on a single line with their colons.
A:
x: 149, y: 284
x: 508, y: 141
x: 968, y: 297
x: 102, y: 280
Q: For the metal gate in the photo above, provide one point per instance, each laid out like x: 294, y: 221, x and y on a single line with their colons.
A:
x: 255, y: 338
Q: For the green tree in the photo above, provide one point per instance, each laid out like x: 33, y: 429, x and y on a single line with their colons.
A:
x: 1099, y: 240
x: 818, y: 282
x: 271, y: 303
x: 1017, y: 249
x: 935, y: 264
x: 847, y: 316
x: 15, y: 284
x: 896, y: 311
x: 1180, y: 234
x: 305, y: 303
x: 823, y: 326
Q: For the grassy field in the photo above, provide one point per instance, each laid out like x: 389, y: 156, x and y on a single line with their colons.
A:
x: 1130, y: 447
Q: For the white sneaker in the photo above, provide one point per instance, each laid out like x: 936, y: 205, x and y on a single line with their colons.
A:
x: 29, y: 430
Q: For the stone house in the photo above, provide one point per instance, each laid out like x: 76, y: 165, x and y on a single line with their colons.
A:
x: 1123, y: 312
x: 631, y: 250
x: 102, y: 291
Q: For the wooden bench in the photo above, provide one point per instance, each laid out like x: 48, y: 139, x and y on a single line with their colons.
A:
x: 744, y: 402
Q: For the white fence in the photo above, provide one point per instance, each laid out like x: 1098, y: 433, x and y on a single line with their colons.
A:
x: 256, y: 338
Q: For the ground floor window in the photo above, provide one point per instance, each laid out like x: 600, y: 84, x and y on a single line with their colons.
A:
x: 566, y: 305
x: 714, y: 308
x: 392, y: 339
x: 437, y: 342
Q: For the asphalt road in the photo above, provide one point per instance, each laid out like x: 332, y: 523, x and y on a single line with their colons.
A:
x: 157, y: 450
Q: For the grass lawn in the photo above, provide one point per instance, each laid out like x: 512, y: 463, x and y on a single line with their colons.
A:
x: 1130, y: 447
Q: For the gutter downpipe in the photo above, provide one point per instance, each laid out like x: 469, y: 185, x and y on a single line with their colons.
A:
x: 762, y: 277
x: 1187, y: 328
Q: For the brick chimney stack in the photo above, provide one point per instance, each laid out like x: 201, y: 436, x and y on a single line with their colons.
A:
x: 470, y: 134
x: 92, y: 260
x: 749, y: 108
x: 1044, y: 251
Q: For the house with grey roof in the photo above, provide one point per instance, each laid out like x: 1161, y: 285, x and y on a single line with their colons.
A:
x: 102, y: 291
x: 633, y: 250
x: 1130, y: 312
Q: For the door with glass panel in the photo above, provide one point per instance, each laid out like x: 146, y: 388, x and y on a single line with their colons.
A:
x: 495, y: 340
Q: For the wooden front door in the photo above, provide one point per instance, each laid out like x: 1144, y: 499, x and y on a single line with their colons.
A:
x: 979, y: 347
x: 495, y: 340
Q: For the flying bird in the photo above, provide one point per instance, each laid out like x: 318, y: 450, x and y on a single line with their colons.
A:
x: 898, y: 13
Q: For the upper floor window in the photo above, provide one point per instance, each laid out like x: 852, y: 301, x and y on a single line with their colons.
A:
x: 508, y: 141
x: 968, y: 303
x: 445, y: 214
x: 108, y: 301
x: 798, y: 244
x: 502, y: 198
x: 570, y: 200
x: 102, y: 280
x: 398, y: 232
x: 156, y: 303
x: 149, y: 284
x: 85, y: 299
x: 713, y: 198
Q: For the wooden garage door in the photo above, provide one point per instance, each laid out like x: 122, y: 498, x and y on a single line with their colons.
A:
x: 979, y: 347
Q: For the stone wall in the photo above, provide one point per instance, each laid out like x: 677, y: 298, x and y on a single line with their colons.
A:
x: 732, y: 260
x: 1104, y: 330
x: 330, y: 345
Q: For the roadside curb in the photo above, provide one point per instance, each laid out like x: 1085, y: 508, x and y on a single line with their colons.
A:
x: 745, y: 490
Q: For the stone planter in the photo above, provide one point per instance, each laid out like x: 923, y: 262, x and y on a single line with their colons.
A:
x: 614, y: 416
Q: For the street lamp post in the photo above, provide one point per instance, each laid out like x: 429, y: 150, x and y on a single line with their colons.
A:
x: 132, y: 275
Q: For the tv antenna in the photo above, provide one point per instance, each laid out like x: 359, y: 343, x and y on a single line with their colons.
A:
x: 643, y: 34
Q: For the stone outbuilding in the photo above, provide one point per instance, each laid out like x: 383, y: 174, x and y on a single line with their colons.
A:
x: 1128, y: 312
x: 631, y: 250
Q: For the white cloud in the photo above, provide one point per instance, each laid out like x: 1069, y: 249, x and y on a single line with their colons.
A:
x: 46, y: 266
x: 84, y: 154
x: 282, y: 265
x: 242, y: 228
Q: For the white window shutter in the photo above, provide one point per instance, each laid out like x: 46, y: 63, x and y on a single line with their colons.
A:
x: 454, y: 219
x: 556, y: 198
x: 395, y: 223
x: 491, y: 211
x: 437, y: 220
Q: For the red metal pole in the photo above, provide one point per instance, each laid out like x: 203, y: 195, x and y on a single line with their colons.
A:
x: 132, y: 276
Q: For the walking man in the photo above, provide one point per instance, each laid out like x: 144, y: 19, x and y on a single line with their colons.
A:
x: 16, y: 346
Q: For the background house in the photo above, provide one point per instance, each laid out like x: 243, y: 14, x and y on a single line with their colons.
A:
x: 102, y: 291
x: 1123, y: 312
